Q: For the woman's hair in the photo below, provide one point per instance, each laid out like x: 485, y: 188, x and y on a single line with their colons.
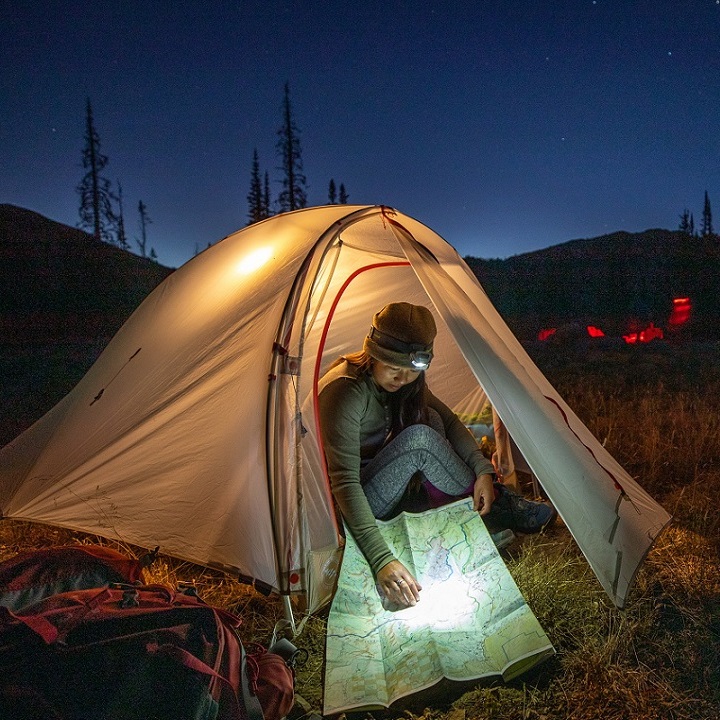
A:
x: 360, y: 359
x: 409, y: 404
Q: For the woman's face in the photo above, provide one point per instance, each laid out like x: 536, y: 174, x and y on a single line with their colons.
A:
x: 391, y: 378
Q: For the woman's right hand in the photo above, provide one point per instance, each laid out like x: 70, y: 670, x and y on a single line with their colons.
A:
x: 398, y: 585
x: 483, y: 494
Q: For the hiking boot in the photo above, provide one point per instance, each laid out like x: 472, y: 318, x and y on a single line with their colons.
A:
x: 513, y: 511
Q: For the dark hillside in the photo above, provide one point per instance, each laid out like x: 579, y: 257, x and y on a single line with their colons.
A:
x: 613, y: 281
x: 50, y: 268
x: 63, y: 296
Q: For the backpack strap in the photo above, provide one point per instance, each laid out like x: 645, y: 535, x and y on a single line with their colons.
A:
x: 37, y: 623
x: 252, y: 703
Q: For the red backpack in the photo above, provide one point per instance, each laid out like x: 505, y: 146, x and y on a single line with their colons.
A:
x: 36, y: 574
x: 134, y: 651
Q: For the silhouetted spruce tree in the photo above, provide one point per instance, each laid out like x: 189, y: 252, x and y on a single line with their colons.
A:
x: 332, y: 192
x: 684, y: 226
x: 344, y: 197
x: 266, y: 196
x: 255, y: 198
x: 706, y: 228
x: 120, y: 215
x: 293, y: 195
x: 96, y: 197
x: 144, y: 222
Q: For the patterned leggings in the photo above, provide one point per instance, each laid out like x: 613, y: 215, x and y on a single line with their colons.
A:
x: 418, y: 448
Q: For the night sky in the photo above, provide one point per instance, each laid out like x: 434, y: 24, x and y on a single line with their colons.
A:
x: 505, y: 126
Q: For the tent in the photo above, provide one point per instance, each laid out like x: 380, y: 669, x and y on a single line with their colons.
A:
x: 196, y: 428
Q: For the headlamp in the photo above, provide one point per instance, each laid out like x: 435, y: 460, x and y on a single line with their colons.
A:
x: 393, y: 351
x: 420, y: 359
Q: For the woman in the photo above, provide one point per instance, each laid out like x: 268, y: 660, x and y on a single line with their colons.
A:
x: 389, y: 441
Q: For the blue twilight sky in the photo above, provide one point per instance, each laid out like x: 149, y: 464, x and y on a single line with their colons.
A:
x: 505, y: 126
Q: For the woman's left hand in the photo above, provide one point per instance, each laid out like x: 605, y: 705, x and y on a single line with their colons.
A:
x: 483, y: 494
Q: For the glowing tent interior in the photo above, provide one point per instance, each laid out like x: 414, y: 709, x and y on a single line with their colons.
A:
x: 195, y: 430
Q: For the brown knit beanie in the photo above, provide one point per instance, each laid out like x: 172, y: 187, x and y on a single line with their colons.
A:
x: 402, y: 334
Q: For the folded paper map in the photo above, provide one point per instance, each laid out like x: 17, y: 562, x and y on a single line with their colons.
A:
x: 471, y: 621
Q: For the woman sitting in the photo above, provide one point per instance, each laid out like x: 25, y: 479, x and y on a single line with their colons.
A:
x: 390, y: 445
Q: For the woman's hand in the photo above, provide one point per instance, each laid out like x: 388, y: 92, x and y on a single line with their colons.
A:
x: 397, y: 584
x: 483, y: 494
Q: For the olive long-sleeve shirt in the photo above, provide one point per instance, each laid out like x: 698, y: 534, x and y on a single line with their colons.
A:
x: 355, y: 419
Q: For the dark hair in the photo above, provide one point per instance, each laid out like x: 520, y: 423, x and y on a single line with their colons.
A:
x: 408, y: 404
x: 360, y: 359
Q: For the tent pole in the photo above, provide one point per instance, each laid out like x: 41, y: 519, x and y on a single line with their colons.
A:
x: 289, y: 613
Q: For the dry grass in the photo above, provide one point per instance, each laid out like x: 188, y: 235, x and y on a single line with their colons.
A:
x: 656, y: 660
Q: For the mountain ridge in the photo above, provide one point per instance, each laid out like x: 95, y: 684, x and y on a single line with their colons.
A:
x: 63, y: 295
x: 617, y: 280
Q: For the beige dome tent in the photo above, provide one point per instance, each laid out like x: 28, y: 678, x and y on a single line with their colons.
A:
x: 196, y: 429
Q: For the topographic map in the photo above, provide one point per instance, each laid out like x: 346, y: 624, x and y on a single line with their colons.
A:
x: 471, y: 621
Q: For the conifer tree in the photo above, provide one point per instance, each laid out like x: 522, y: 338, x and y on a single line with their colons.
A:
x: 144, y: 222
x: 332, y: 192
x: 266, y: 196
x: 344, y: 197
x: 293, y: 194
x: 121, y: 236
x: 684, y: 226
x: 706, y: 229
x: 255, y: 198
x: 96, y: 197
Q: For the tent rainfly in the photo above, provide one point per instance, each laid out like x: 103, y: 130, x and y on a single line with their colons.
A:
x: 196, y: 428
